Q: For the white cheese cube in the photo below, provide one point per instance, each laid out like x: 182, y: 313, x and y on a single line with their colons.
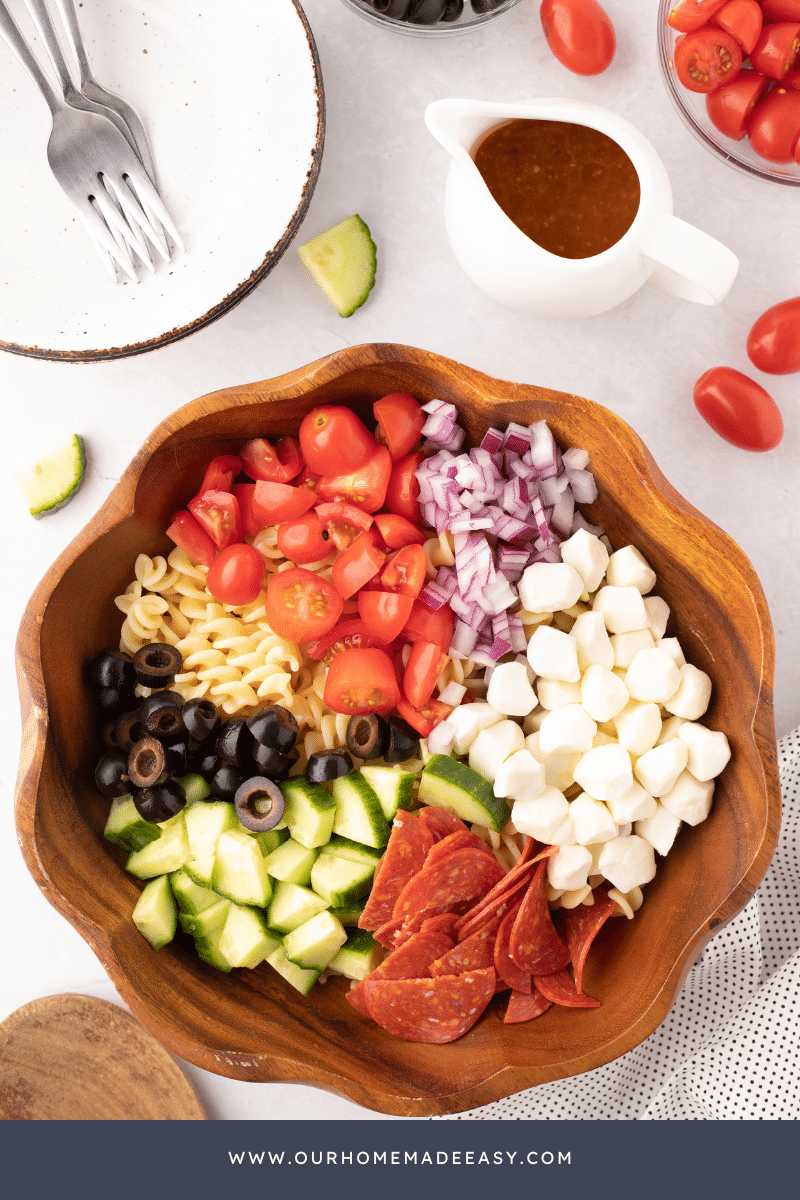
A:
x: 622, y: 608
x: 669, y: 729
x: 569, y: 869
x: 660, y: 830
x: 559, y: 766
x: 603, y: 694
x: 652, y: 676
x: 657, y: 615
x: 594, y: 644
x: 673, y: 649
x: 627, y: 862
x: 554, y: 693
x: 520, y: 777
x: 692, y: 696
x: 463, y: 725
x: 493, y: 746
x: 709, y: 750
x: 486, y: 715
x: 540, y: 816
x: 635, y: 805
x: 549, y: 587
x: 658, y: 769
x: 605, y: 772
x: 689, y: 800
x: 509, y: 690
x: 629, y: 568
x: 627, y: 645
x: 565, y: 834
x: 587, y: 554
x: 567, y: 728
x: 638, y: 726
x: 554, y: 654
x: 592, y: 821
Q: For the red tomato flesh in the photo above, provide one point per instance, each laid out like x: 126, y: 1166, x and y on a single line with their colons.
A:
x: 738, y: 409
x: 278, y: 463
x: 580, y: 34
x: 774, y: 125
x: 398, y: 532
x: 730, y: 107
x: 365, y: 486
x: 425, y: 664
x: 218, y: 513
x: 743, y: 20
x: 405, y: 571
x: 356, y: 565
x: 384, y: 613
x: 334, y: 440
x: 402, y: 494
x: 220, y: 474
x: 776, y: 50
x: 343, y: 522
x: 189, y: 536
x: 301, y: 606
x: 400, y: 419
x: 276, y: 502
x: 361, y: 681
x: 346, y: 635
x: 707, y: 59
x: 304, y: 540
x: 236, y: 575
x: 689, y: 15
x: 424, y: 720
x: 781, y: 10
x: 244, y: 493
x: 430, y: 625
x: 773, y: 343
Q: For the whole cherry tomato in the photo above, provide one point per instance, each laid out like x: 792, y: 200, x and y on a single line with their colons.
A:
x: 334, y: 441
x: 774, y: 125
x: 773, y: 343
x: 738, y: 409
x: 707, y: 59
x: 304, y: 540
x: 236, y: 575
x: 742, y: 19
x: 776, y: 50
x: 730, y: 107
x: 580, y: 34
x: 301, y: 606
x: 361, y: 681
x: 689, y: 15
x: 400, y: 419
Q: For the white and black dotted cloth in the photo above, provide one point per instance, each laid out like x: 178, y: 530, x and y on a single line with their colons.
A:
x: 730, y: 1048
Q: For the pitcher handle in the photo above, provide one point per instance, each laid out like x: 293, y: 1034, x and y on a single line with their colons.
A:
x: 687, y: 262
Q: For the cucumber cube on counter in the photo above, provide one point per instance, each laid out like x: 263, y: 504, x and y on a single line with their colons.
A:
x: 245, y: 940
x: 291, y: 862
x: 309, y: 813
x: 126, y: 828
x: 358, y: 957
x: 313, y: 944
x: 291, y: 905
x: 359, y: 815
x: 156, y: 913
x: 239, y: 870
x: 339, y: 880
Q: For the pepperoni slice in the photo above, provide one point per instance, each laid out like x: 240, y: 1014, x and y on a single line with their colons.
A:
x: 511, y: 880
x: 410, y: 961
x: 459, y: 840
x: 455, y: 882
x: 387, y: 933
x: 481, y: 914
x: 405, y: 853
x: 517, y: 979
x: 534, y: 944
x: 471, y: 955
x: 441, y: 923
x: 560, y: 988
x: 581, y: 927
x: 523, y: 1007
x: 439, y: 822
x: 435, y: 1010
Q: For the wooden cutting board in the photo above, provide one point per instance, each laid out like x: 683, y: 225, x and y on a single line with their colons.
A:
x: 75, y: 1058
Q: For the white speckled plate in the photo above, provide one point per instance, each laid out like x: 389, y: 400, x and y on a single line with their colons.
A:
x: 231, y: 97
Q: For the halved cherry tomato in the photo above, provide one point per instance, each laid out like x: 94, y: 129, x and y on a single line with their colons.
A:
x: 356, y: 565
x: 304, y: 540
x: 430, y: 625
x: 220, y: 474
x: 742, y: 19
x: 397, y: 532
x: 738, y: 409
x: 244, y: 493
x: 400, y: 419
x: 403, y: 490
x: 347, y: 635
x: 276, y: 502
x: 301, y: 606
x: 236, y: 575
x: 278, y: 463
x: 218, y: 513
x: 343, y: 522
x: 365, y: 485
x: 729, y: 107
x: 775, y: 51
x: 773, y: 343
x: 190, y: 537
x: 405, y: 571
x: 707, y: 59
x: 334, y: 440
x: 425, y: 664
x: 307, y: 479
x: 689, y: 15
x: 781, y: 10
x: 361, y: 681
x: 580, y: 34
x: 384, y: 613
x: 425, y: 719
x: 774, y: 126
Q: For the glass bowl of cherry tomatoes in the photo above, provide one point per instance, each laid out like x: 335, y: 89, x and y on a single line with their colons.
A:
x: 732, y: 70
x: 430, y: 18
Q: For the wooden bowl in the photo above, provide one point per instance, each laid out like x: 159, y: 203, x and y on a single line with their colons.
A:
x: 251, y: 1025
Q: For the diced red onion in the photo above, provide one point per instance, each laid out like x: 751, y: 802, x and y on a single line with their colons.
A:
x: 492, y: 441
x: 579, y: 522
x: 575, y: 459
x: 464, y: 639
x: 499, y: 594
x: 563, y: 511
x: 516, y: 633
x: 583, y: 486
x: 435, y: 406
x: 543, y: 451
x: 434, y: 596
x: 517, y: 438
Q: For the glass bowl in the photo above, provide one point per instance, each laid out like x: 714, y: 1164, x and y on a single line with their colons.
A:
x: 692, y: 107
x: 469, y: 17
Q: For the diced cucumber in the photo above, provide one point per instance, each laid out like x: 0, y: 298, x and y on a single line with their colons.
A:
x: 393, y: 786
x: 239, y: 870
x: 270, y: 839
x: 291, y: 905
x: 309, y: 812
x: 208, y: 949
x: 206, y: 922
x: 195, y: 788
x: 359, y: 956
x: 343, y: 262
x: 52, y: 482
x: 156, y: 914
x: 349, y: 914
x: 200, y: 870
x: 126, y: 828
x: 359, y: 815
x: 190, y: 896
x: 299, y: 978
x: 205, y: 823
x: 291, y: 862
x: 447, y: 783
x: 245, y: 940
x: 161, y: 857
x: 340, y: 881
x: 313, y: 944
x: 342, y: 847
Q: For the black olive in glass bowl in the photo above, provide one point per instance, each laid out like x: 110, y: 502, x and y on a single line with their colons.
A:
x: 327, y: 765
x: 275, y: 727
x: 111, y: 775
x: 259, y: 804
x: 160, y: 802
x: 201, y: 718
x: 157, y: 665
x: 235, y: 741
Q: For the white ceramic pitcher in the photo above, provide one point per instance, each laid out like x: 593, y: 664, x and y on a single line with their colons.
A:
x: 659, y: 248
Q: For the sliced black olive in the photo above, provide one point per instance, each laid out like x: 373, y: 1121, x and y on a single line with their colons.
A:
x: 225, y: 782
x: 161, y: 801
x: 485, y: 6
x: 235, y: 741
x: 111, y: 698
x: 453, y: 10
x: 270, y: 762
x: 425, y: 12
x: 367, y: 736
x: 112, y: 669
x: 128, y: 730
x: 275, y: 727
x: 111, y: 775
x: 259, y: 804
x: 328, y: 765
x: 147, y: 762
x: 178, y: 756
x: 403, y: 740
x: 108, y: 735
x: 157, y: 665
x: 208, y: 762
x: 165, y: 722
x: 201, y: 718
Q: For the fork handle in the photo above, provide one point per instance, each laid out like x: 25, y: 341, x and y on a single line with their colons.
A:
x: 44, y: 23
x: 10, y: 31
x: 69, y: 16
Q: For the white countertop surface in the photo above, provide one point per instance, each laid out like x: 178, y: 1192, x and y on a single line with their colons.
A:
x: 640, y: 360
